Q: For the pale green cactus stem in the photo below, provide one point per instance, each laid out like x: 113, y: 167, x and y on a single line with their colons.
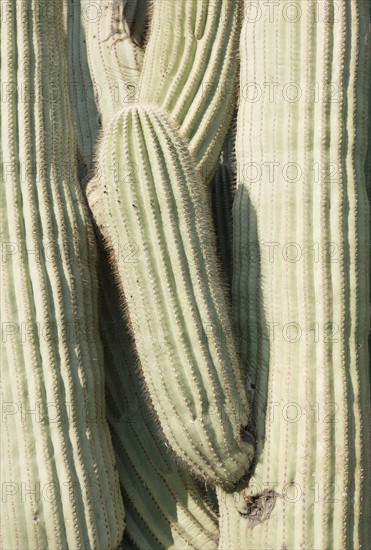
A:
x: 57, y: 461
x: 164, y: 505
x: 189, y: 71
x: 105, y: 58
x: 147, y: 195
x: 310, y: 486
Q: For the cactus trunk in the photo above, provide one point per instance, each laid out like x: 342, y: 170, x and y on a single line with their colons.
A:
x: 301, y: 305
x: 61, y: 488
x: 189, y: 72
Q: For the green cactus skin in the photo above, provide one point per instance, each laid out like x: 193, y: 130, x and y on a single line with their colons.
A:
x: 148, y: 194
x: 317, y: 467
x: 221, y: 194
x: 164, y: 505
x: 57, y: 462
x: 115, y: 60
x: 189, y: 71
x: 368, y: 186
x: 368, y: 157
x: 105, y: 56
x: 85, y: 112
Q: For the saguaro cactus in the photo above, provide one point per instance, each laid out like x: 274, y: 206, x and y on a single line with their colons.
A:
x: 164, y: 505
x: 311, y: 482
x: 190, y: 74
x: 57, y: 464
x: 132, y: 101
x: 148, y: 194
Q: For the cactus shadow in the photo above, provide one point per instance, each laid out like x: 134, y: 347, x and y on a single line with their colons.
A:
x: 154, y: 486
x: 251, y: 325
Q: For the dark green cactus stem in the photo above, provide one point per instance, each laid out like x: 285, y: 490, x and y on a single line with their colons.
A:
x: 148, y: 196
x: 164, y: 505
x: 189, y: 71
x: 59, y: 484
x: 311, y: 484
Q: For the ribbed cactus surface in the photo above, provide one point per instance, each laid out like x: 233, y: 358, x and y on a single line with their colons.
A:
x: 114, y: 53
x: 221, y: 196
x: 148, y: 196
x: 58, y: 479
x: 301, y: 303
x: 84, y: 96
x: 189, y: 71
x: 164, y: 505
x: 228, y: 276
x: 105, y: 56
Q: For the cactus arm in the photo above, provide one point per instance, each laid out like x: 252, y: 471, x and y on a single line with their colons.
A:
x: 318, y: 467
x: 221, y: 195
x: 83, y: 94
x: 174, y: 293
x: 163, y: 504
x: 189, y: 71
x: 50, y: 290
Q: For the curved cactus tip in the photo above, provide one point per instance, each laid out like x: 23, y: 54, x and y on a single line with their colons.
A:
x: 173, y: 296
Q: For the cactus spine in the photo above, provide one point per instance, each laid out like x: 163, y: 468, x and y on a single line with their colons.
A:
x: 148, y: 194
x: 310, y: 486
x: 58, y: 467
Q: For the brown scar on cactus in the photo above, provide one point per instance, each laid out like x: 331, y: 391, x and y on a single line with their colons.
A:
x: 257, y: 508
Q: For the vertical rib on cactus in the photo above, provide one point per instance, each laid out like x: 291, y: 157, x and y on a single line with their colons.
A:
x: 221, y: 194
x: 310, y: 486
x: 115, y: 60
x: 56, y: 452
x: 149, y: 195
x: 189, y: 71
x: 105, y: 57
x: 368, y: 117
x: 368, y: 181
x: 163, y: 503
x: 86, y: 117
